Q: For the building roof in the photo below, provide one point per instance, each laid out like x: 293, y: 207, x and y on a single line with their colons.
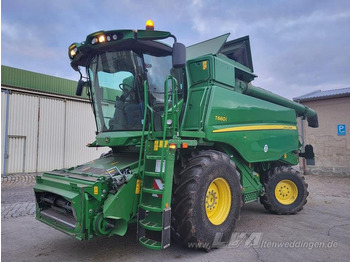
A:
x: 319, y: 95
x: 31, y: 81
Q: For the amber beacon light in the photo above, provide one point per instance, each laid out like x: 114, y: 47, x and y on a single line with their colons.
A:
x: 149, y: 25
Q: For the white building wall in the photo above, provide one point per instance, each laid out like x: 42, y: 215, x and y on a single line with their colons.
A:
x: 46, y: 133
x: 80, y: 131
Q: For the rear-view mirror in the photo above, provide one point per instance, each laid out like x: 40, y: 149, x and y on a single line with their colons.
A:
x: 179, y: 55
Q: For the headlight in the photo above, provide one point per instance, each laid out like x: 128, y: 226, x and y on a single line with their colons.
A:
x: 72, y: 51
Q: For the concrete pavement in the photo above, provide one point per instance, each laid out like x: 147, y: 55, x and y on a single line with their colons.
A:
x: 320, y: 232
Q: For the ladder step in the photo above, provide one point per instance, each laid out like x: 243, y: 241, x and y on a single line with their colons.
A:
x: 152, y: 191
x: 151, y: 208
x: 153, y: 174
x: 151, y: 225
x: 149, y: 243
x: 153, y: 157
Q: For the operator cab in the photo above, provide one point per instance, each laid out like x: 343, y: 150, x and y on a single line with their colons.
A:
x: 117, y: 81
x: 118, y: 63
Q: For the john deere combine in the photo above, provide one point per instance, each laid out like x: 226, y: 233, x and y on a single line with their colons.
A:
x: 191, y: 141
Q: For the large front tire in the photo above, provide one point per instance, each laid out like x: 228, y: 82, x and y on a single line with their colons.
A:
x: 207, y: 200
x: 285, y: 191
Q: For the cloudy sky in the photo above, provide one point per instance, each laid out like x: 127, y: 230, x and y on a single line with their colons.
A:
x: 297, y: 46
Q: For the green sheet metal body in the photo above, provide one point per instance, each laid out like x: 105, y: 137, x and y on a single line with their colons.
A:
x: 255, y: 128
x: 260, y: 131
x: 89, y: 189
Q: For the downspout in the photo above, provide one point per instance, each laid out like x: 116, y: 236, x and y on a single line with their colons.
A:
x: 6, y: 129
x: 303, y: 145
x: 37, y: 138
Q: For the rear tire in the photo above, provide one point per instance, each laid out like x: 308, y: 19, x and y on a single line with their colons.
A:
x: 285, y: 191
x: 207, y: 200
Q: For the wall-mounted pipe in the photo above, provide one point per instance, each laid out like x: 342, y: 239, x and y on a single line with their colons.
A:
x: 6, y: 130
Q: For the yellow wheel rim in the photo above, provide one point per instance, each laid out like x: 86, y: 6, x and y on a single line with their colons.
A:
x: 286, y: 192
x: 218, y: 201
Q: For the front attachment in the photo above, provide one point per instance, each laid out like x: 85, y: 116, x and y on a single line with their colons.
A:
x: 94, y: 199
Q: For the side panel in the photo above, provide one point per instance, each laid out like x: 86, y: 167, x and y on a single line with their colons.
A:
x: 258, y: 130
x: 194, y: 112
x: 120, y: 206
x: 198, y: 74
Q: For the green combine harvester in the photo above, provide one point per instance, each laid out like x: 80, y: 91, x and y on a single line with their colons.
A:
x: 191, y: 141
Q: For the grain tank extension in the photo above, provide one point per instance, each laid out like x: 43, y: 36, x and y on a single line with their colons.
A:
x: 191, y: 140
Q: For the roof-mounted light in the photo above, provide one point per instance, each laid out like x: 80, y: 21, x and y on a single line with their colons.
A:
x: 149, y: 25
x: 98, y: 39
x: 102, y: 38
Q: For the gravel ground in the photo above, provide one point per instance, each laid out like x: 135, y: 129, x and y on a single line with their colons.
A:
x: 17, y: 197
x: 320, y: 232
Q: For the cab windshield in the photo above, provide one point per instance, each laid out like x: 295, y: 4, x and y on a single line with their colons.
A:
x: 117, y: 88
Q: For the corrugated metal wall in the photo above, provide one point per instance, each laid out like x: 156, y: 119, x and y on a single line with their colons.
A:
x: 3, y: 125
x: 47, y: 133
x: 51, y: 134
x: 22, y: 131
x: 81, y: 131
